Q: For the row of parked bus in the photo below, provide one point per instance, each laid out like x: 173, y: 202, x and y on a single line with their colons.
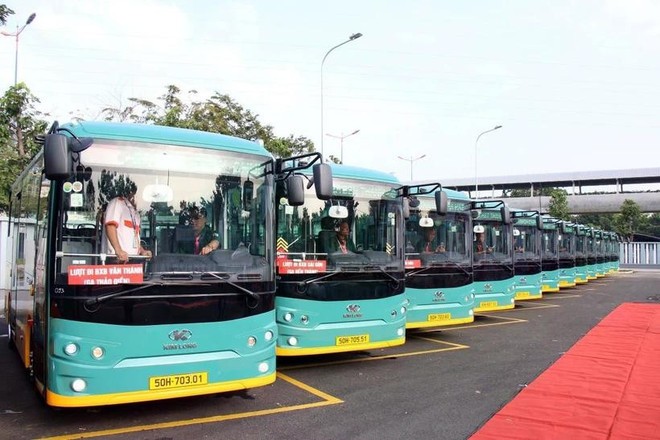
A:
x: 312, y: 259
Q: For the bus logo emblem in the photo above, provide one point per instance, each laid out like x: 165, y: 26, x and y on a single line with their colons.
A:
x: 488, y: 287
x: 353, y: 308
x: 439, y: 295
x: 180, y: 335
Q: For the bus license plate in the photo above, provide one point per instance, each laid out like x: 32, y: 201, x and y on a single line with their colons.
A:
x: 439, y: 317
x: 487, y: 304
x: 178, y: 381
x: 522, y: 295
x: 350, y: 340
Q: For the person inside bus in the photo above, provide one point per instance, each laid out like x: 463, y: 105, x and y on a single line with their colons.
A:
x: 121, y: 221
x: 480, y: 245
x: 342, y: 242
x: 203, y: 240
x: 428, y: 243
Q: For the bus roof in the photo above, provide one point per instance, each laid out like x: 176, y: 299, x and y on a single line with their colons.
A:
x: 352, y: 172
x: 455, y: 195
x: 164, y: 135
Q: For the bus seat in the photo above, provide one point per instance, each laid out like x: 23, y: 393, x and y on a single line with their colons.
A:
x: 325, y: 235
x: 76, y: 247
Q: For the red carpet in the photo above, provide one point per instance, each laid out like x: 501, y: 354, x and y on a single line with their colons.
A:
x: 607, y: 386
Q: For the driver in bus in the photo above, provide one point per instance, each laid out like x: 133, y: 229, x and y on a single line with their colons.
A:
x: 428, y: 243
x: 480, y: 245
x: 122, y: 227
x: 342, y: 242
x: 204, y: 240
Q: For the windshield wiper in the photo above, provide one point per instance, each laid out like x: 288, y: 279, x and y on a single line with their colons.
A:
x: 223, y: 276
x: 390, y: 276
x: 103, y: 298
x: 453, y: 263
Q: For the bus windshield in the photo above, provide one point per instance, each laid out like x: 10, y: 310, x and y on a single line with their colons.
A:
x: 357, y: 227
x: 192, y: 213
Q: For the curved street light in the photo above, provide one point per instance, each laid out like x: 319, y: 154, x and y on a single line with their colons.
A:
x: 341, y: 139
x: 351, y: 38
x: 16, y: 34
x: 411, y: 160
x: 476, y: 184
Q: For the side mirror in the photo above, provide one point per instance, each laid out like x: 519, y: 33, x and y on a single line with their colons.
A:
x: 295, y: 190
x: 441, y: 202
x: 406, y: 208
x: 57, y: 159
x: 506, y: 215
x: 323, y: 181
x: 475, y: 213
x: 248, y: 194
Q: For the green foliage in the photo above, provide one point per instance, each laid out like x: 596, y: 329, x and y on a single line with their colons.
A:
x: 558, y: 205
x: 630, y: 220
x: 5, y: 12
x: 217, y: 114
x: 20, y: 123
x: 651, y: 226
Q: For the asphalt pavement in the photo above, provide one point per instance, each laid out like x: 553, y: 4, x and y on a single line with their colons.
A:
x: 442, y: 384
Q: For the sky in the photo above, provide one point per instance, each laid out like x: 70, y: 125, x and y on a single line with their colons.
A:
x: 573, y: 83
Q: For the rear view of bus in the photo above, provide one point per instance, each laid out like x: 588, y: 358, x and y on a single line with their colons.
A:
x: 183, y: 318
x: 340, y: 267
x: 438, y: 261
x: 492, y: 253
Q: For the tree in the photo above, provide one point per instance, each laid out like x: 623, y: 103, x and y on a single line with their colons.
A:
x: 217, y: 114
x: 20, y: 123
x: 630, y: 220
x: 558, y: 205
x: 5, y: 12
x: 651, y: 226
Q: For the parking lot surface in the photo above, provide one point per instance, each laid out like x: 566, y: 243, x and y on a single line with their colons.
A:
x: 443, y: 383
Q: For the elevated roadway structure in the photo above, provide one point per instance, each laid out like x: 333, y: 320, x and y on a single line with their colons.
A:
x: 589, y: 192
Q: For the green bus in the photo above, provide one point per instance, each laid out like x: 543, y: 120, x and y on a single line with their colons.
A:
x: 439, y: 278
x: 340, y: 267
x: 91, y: 331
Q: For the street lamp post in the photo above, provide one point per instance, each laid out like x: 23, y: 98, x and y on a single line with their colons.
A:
x: 412, y: 160
x: 16, y: 34
x: 341, y: 142
x: 476, y: 182
x: 351, y: 38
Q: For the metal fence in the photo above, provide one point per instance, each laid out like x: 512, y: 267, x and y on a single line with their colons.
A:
x: 640, y: 253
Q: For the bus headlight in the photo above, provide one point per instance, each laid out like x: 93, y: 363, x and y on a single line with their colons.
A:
x: 268, y: 335
x: 292, y: 341
x: 393, y: 313
x: 78, y: 385
x: 288, y: 316
x: 97, y: 353
x: 71, y: 349
x: 400, y: 331
x: 251, y: 341
x: 263, y: 367
x: 304, y: 319
x: 403, y: 310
